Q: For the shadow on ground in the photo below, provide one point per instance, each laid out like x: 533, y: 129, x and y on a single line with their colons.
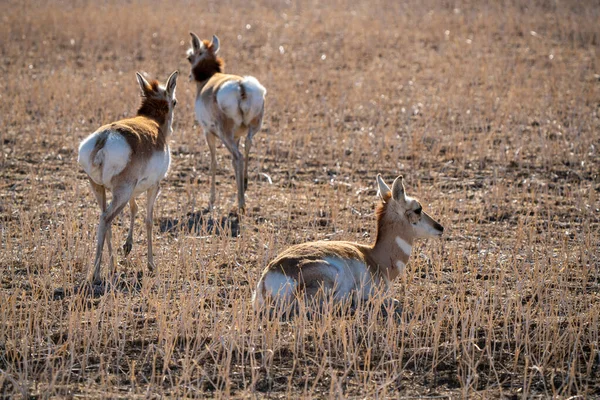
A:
x: 201, y: 222
x: 123, y: 283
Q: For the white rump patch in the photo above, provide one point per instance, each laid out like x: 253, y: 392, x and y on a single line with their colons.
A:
x: 404, y: 246
x: 241, y: 110
x: 253, y: 105
x: 253, y: 85
x: 279, y: 286
x: 116, y: 157
x: 109, y: 161
x: 228, y: 99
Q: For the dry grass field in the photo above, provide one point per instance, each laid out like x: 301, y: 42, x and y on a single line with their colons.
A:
x: 490, y: 111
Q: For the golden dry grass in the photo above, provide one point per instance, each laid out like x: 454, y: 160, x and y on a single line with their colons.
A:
x: 490, y: 111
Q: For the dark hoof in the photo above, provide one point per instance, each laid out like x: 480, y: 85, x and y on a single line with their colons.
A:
x: 151, y: 266
x: 89, y: 289
x: 395, y: 311
x: 127, y: 248
x: 59, y: 294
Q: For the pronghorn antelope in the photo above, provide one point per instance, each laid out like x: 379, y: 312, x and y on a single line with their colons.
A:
x: 129, y: 157
x: 227, y: 106
x: 346, y: 270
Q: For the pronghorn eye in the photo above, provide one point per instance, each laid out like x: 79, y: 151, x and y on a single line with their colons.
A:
x: 418, y: 210
x: 174, y: 102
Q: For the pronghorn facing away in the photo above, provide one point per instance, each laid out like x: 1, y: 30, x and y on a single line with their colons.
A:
x: 227, y: 106
x: 346, y: 270
x: 129, y: 157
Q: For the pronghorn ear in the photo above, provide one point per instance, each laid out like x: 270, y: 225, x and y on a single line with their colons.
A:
x: 144, y: 85
x: 383, y: 191
x: 398, y: 188
x: 215, y: 44
x: 172, y: 82
x: 197, y: 44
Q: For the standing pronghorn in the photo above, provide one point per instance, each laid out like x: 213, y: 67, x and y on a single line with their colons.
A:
x: 129, y: 157
x: 349, y: 270
x: 227, y: 106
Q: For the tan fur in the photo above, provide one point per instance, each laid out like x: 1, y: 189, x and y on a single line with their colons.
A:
x: 142, y: 133
x: 207, y: 70
x: 306, y: 263
x: 146, y: 135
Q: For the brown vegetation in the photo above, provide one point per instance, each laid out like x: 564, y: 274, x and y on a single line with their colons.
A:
x: 490, y: 111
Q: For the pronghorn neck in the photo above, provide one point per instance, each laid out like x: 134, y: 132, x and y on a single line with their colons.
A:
x: 205, y: 69
x: 158, y: 111
x: 393, y: 245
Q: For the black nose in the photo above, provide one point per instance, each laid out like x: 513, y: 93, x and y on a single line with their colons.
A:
x: 440, y: 228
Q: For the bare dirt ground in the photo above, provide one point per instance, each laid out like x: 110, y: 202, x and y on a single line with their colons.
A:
x: 491, y: 112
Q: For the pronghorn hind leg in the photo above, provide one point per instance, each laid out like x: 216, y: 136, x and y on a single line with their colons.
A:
x: 247, y: 147
x: 317, y: 294
x: 391, y: 308
x: 212, y: 146
x: 252, y: 130
x: 129, y: 241
x: 238, y: 161
x: 120, y: 198
x: 100, y: 194
x: 152, y: 195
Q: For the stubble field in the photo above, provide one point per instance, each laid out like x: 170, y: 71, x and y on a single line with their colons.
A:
x: 491, y: 113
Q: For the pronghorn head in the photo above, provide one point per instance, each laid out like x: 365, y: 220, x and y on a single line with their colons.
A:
x: 203, y: 58
x: 158, y: 101
x: 403, y: 210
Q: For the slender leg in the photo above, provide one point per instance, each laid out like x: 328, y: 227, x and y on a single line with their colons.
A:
x: 238, y: 165
x: 252, y: 130
x: 210, y: 139
x: 247, y: 147
x: 317, y: 294
x: 152, y: 194
x: 100, y: 193
x: 129, y: 241
x: 392, y: 305
x: 120, y: 198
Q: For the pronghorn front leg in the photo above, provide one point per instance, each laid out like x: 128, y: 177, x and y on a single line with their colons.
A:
x: 390, y: 307
x: 152, y: 195
x: 129, y: 241
x: 210, y: 140
x: 120, y: 198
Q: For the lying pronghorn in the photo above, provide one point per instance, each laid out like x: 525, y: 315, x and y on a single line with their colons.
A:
x: 227, y: 106
x: 346, y: 270
x: 128, y: 157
